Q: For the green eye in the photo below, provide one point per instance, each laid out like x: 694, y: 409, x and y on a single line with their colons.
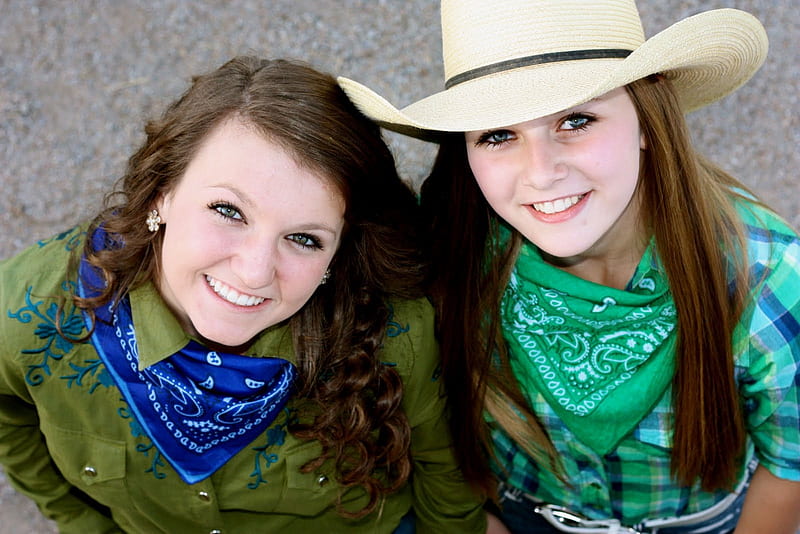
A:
x: 305, y: 241
x: 227, y: 211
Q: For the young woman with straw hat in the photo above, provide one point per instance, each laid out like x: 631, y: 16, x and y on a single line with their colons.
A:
x: 620, y: 321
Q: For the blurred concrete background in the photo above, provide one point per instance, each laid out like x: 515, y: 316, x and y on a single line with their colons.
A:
x: 78, y: 79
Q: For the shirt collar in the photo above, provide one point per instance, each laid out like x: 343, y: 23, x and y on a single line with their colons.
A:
x: 160, y: 335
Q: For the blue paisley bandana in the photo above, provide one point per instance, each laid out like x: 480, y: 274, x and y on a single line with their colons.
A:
x: 600, y: 356
x: 199, y: 407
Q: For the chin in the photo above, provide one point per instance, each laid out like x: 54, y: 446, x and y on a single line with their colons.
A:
x: 226, y: 343
x: 563, y: 253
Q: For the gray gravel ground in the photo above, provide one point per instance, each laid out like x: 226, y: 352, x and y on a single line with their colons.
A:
x: 78, y: 78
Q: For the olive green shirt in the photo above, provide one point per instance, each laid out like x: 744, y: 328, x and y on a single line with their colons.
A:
x: 69, y: 441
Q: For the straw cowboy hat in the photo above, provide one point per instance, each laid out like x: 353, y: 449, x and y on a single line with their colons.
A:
x: 517, y: 60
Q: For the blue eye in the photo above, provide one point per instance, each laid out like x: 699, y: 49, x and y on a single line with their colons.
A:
x: 305, y: 241
x: 576, y: 121
x: 495, y: 138
x: 227, y: 211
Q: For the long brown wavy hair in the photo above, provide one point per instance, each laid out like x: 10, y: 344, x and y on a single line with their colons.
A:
x: 687, y: 205
x: 338, y: 333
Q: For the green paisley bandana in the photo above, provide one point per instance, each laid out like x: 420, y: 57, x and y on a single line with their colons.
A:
x: 601, y: 356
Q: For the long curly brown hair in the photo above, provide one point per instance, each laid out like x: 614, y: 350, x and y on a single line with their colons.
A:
x: 338, y: 333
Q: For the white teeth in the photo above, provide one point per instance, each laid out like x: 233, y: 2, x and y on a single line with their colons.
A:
x: 557, y: 206
x: 231, y: 295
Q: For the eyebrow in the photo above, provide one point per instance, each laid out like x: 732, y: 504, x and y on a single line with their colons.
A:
x: 318, y: 226
x: 591, y: 100
x: 599, y: 98
x: 490, y: 130
x: 236, y: 191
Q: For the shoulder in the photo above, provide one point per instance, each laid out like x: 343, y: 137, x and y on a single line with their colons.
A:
x: 39, y: 276
x: 410, y: 346
x: 770, y: 239
x: 413, y: 313
x: 43, y: 269
x: 770, y: 324
x: 46, y: 259
x: 36, y: 321
x: 409, y: 342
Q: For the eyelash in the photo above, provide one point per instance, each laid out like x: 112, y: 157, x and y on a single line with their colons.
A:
x: 486, y: 138
x: 218, y: 208
x: 588, y: 119
x: 302, y: 240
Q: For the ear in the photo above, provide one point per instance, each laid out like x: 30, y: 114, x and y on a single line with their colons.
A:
x: 642, y: 142
x: 162, y: 204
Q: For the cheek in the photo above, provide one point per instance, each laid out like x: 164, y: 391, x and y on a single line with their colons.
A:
x: 490, y: 175
x: 194, y: 239
x: 477, y: 165
x: 195, y: 246
x: 617, y: 159
x: 303, y: 274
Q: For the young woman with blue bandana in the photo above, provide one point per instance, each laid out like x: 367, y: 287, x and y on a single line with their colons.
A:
x: 623, y: 314
x: 238, y: 342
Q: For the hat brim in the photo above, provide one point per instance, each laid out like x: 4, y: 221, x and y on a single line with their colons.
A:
x: 707, y: 56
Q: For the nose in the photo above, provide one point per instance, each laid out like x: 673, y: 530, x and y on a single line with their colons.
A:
x: 255, y: 263
x: 544, y: 163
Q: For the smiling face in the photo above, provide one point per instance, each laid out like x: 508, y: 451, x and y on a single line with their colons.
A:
x: 248, y: 237
x: 567, y: 181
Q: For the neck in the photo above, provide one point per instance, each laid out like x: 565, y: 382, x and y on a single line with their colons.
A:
x: 613, y: 259
x: 607, y: 271
x: 611, y: 267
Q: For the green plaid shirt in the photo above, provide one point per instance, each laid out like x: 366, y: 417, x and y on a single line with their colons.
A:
x: 633, y: 481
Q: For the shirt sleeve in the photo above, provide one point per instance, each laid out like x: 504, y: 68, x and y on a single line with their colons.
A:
x: 770, y: 374
x: 30, y: 471
x: 443, y: 501
x: 23, y: 451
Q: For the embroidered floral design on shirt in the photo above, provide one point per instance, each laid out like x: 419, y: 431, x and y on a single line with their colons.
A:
x: 276, y: 435
x: 156, y: 461
x: 54, y: 344
x: 93, y: 368
x: 73, y: 236
x: 394, y: 328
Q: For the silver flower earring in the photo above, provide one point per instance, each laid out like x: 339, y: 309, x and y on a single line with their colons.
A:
x: 153, y: 220
x: 325, y: 277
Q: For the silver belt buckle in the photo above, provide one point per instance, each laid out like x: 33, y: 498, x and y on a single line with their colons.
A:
x: 572, y: 520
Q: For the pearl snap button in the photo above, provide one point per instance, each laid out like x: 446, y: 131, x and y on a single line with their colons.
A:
x: 215, y: 531
x: 90, y: 471
x: 204, y: 496
x: 322, y: 480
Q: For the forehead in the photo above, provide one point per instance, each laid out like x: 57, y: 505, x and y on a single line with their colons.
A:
x: 240, y: 155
